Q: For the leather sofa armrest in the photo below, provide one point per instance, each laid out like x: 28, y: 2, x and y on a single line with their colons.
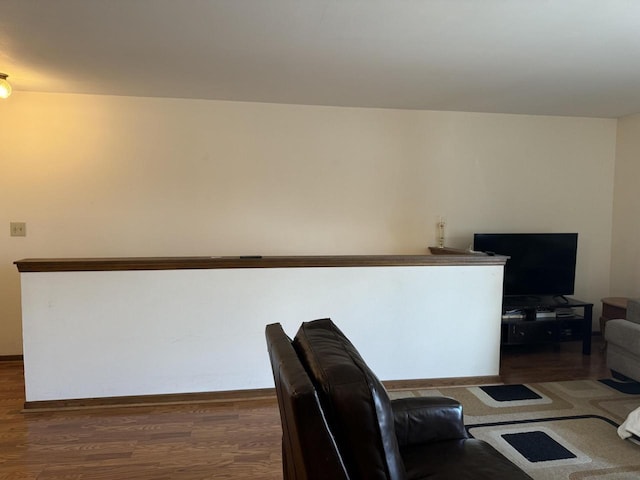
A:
x: 427, y: 419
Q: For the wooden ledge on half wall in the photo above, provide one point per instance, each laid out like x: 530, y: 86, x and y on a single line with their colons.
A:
x: 441, y: 256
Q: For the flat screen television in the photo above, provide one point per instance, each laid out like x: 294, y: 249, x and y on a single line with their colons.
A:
x: 541, y: 264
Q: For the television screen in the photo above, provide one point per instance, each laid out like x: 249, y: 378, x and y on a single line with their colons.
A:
x: 540, y: 263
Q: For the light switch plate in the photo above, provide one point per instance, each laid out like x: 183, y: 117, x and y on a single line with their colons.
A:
x: 18, y: 229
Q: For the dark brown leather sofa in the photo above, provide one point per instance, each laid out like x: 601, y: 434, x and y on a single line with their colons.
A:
x: 339, y: 423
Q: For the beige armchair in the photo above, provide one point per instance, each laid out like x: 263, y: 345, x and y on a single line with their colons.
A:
x: 623, y: 343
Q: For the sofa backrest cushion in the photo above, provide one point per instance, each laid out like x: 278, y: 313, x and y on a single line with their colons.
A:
x: 356, y: 404
x: 309, y: 450
x: 633, y: 310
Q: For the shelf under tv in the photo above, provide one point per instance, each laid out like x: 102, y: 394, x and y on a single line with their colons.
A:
x: 534, y: 327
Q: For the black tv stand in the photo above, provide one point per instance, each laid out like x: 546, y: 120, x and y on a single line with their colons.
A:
x: 564, y: 299
x: 546, y: 319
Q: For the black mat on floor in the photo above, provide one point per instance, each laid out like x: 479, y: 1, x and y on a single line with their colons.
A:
x: 537, y: 446
x: 630, y: 387
x: 510, y: 393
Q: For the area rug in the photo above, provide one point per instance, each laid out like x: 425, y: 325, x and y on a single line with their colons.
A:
x: 554, y: 430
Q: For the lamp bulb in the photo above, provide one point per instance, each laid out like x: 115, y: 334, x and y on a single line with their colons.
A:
x: 5, y: 87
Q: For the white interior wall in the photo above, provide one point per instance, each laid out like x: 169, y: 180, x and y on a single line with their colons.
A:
x: 625, y: 253
x: 128, y: 176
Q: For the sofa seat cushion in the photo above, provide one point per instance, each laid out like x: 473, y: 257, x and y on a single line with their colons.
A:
x: 460, y: 460
x: 356, y: 404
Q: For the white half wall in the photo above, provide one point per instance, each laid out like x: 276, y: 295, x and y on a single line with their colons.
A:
x: 104, y: 334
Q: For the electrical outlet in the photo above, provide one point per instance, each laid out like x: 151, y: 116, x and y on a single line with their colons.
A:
x: 18, y: 229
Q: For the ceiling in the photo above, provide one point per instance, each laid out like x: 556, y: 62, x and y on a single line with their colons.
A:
x: 551, y: 57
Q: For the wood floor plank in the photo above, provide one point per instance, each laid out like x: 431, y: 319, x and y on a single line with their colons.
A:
x: 200, y: 441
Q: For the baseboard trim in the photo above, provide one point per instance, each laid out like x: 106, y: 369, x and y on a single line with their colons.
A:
x: 261, y: 395
x: 152, y: 400
x: 11, y: 358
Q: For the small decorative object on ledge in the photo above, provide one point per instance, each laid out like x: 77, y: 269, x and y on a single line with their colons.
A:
x: 441, y: 232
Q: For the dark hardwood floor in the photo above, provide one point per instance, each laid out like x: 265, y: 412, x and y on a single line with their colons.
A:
x: 195, y: 440
x: 549, y: 363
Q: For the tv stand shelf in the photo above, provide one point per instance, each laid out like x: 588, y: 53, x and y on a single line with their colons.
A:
x: 543, y: 320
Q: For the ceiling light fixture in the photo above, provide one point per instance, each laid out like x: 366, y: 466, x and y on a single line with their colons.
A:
x: 5, y: 87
